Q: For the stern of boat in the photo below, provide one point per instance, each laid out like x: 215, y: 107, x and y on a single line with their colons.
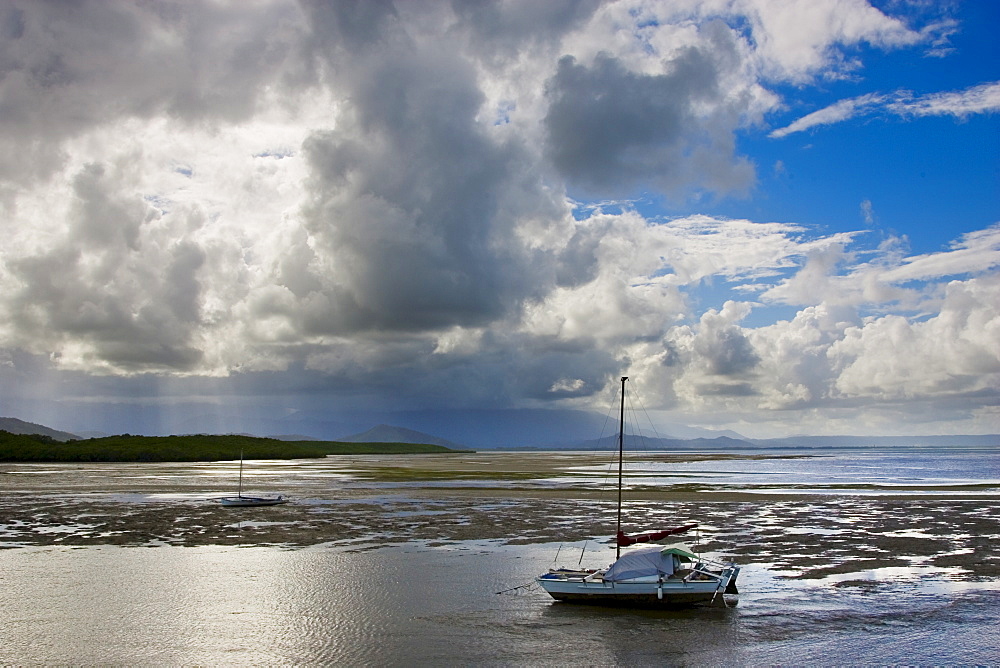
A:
x: 731, y: 572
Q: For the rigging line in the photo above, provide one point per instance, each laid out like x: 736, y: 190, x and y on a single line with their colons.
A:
x: 639, y: 436
x: 604, y: 486
x: 641, y: 445
x: 636, y: 438
x: 604, y: 489
x: 648, y: 419
x: 607, y: 417
x: 644, y: 445
x: 628, y: 417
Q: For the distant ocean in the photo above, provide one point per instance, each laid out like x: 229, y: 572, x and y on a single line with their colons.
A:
x: 923, y: 470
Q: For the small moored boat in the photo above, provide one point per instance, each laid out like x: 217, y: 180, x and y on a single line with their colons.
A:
x: 244, y: 501
x: 646, y: 576
x: 252, y: 500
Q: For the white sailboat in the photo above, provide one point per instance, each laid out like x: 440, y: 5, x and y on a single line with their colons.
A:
x: 243, y: 501
x: 654, y: 575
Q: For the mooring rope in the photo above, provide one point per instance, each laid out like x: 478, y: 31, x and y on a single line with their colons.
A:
x: 507, y: 591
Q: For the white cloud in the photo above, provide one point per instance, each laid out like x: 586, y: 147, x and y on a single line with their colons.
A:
x: 835, y: 113
x: 799, y: 38
x: 955, y: 352
x: 867, y: 212
x: 204, y: 191
x: 829, y: 360
x: 981, y: 99
x: 795, y: 371
x: 974, y: 252
x: 833, y: 275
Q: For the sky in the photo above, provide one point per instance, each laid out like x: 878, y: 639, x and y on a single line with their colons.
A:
x: 776, y: 216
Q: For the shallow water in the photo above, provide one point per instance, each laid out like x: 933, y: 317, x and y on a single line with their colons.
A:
x: 867, y: 472
x: 362, y: 572
x: 416, y: 605
x: 924, y: 471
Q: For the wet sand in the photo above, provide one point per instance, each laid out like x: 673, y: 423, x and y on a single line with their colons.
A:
x: 366, y: 502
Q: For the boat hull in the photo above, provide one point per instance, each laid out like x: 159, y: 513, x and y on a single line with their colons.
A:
x: 638, y: 600
x: 669, y: 593
x: 249, y: 501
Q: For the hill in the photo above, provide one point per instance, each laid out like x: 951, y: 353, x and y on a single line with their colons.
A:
x: 15, y: 426
x: 385, y: 433
x: 190, y: 448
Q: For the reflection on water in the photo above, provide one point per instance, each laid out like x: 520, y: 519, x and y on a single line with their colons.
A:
x: 417, y: 605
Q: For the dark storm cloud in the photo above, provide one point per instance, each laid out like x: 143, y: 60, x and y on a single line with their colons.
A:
x: 578, y: 262
x: 726, y: 352
x: 611, y: 130
x: 498, y: 30
x: 345, y: 27
x: 412, y: 202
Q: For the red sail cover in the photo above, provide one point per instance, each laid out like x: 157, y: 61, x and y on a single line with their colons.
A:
x: 649, y: 537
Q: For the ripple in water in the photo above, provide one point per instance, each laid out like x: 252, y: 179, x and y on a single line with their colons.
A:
x: 415, y: 604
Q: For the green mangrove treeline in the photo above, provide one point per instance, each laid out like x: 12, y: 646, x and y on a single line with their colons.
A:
x: 191, y: 448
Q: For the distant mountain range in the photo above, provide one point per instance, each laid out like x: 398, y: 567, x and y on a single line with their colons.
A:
x: 388, y: 434
x: 533, y: 430
x: 796, y: 442
x: 15, y: 426
x: 477, y: 429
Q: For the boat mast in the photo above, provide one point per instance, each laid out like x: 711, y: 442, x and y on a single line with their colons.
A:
x: 621, y: 452
x: 239, y: 492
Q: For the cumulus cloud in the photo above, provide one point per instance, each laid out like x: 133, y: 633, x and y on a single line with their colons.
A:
x: 835, y: 275
x: 609, y: 129
x: 406, y: 247
x: 797, y: 39
x: 723, y: 359
x: 205, y: 198
x: 955, y: 352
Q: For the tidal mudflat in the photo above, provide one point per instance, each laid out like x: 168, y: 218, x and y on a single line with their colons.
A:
x: 837, y: 527
x: 848, y: 559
